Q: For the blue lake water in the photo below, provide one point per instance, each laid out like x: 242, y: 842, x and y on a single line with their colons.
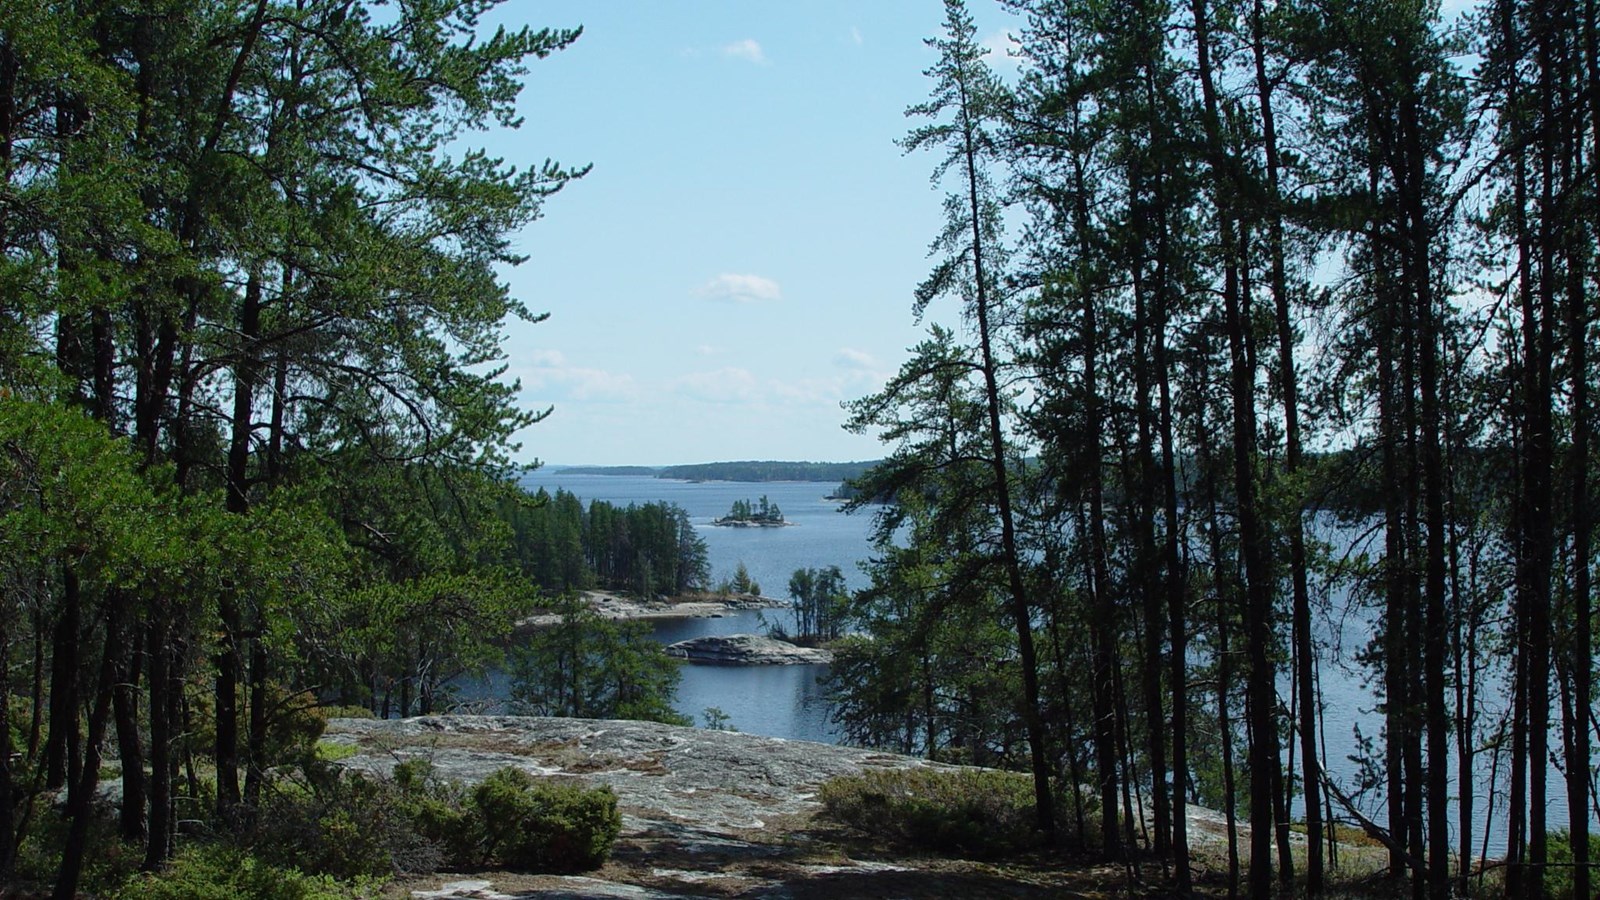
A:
x: 790, y: 701
x: 776, y: 701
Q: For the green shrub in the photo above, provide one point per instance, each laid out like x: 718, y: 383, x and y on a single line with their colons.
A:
x: 545, y: 826
x: 213, y: 872
x: 1558, y: 878
x: 347, y: 827
x: 984, y: 814
x: 356, y: 711
x: 351, y: 825
x: 439, y: 812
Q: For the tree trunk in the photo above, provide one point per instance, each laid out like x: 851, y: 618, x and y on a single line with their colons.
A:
x: 61, y: 747
x: 1020, y: 612
x: 162, y: 734
x: 1258, y: 607
x: 130, y: 748
x: 1579, y: 762
x: 80, y: 804
x: 1304, y: 651
x: 8, y: 828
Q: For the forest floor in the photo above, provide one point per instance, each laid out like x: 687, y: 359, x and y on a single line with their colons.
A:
x: 722, y: 814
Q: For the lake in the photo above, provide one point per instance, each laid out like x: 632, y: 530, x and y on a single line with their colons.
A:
x: 790, y: 702
x: 775, y: 701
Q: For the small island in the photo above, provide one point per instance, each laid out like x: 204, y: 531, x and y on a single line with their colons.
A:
x: 761, y: 514
x: 746, y: 650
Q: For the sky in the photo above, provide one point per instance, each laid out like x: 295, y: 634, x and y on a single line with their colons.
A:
x: 741, y: 258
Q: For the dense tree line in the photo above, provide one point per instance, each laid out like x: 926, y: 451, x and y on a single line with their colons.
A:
x: 1190, y: 243
x: 648, y: 548
x: 252, y: 430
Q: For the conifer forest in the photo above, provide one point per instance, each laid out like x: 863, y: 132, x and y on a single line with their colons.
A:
x: 1257, y: 355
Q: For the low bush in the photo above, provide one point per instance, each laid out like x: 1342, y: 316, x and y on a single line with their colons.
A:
x: 544, y: 825
x: 345, y: 712
x: 352, y: 825
x: 216, y: 872
x: 439, y: 812
x: 977, y: 813
x: 1558, y: 878
x: 347, y: 827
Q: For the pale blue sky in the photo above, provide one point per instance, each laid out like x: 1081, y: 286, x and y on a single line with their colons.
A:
x: 742, y: 257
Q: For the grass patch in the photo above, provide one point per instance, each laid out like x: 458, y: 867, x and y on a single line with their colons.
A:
x: 329, y: 751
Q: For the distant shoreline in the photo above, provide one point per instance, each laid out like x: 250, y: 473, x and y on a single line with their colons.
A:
x: 748, y: 471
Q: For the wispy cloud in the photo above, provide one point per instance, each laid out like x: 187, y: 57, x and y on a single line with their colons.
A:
x: 726, y: 385
x: 855, y: 35
x: 748, y: 50
x: 548, y: 371
x: 859, y: 360
x: 740, y: 288
x: 999, y: 44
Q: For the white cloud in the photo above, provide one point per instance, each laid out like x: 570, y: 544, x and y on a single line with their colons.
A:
x: 1000, y: 45
x: 546, y: 359
x: 726, y: 385
x: 855, y: 35
x: 548, y: 371
x: 740, y: 288
x: 707, y: 350
x: 860, y: 360
x: 748, y: 50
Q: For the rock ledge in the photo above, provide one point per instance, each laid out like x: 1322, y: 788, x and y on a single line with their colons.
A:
x: 746, y: 650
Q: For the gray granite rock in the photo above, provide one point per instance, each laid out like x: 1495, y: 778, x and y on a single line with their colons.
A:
x: 697, y: 806
x: 703, y: 812
x: 746, y: 650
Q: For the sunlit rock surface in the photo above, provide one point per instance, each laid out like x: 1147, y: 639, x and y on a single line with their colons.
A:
x: 705, y: 813
x: 746, y: 650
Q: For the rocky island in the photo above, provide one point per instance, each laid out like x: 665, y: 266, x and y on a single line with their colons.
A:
x: 746, y: 650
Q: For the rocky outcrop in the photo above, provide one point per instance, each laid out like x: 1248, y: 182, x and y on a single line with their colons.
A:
x: 698, y: 807
x: 746, y: 650
x: 704, y: 813
x: 721, y: 782
x: 696, y: 606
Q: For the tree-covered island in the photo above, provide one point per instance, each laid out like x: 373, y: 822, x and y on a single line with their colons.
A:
x: 761, y: 514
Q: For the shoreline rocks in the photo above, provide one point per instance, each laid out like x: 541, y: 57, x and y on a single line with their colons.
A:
x: 613, y: 606
x: 747, y: 650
